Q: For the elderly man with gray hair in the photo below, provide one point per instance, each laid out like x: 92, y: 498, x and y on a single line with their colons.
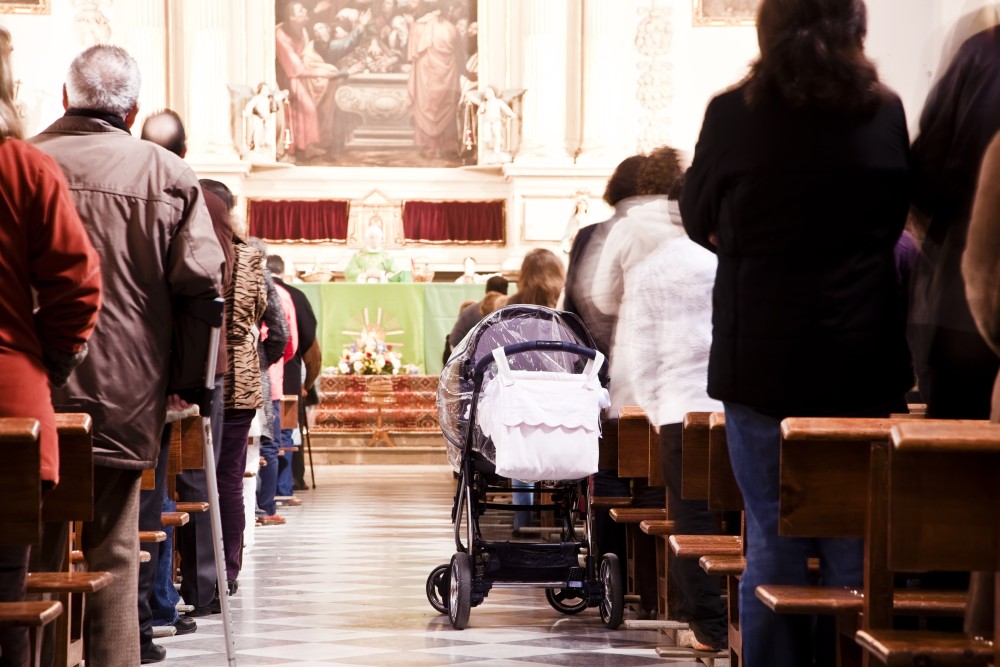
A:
x: 145, y: 214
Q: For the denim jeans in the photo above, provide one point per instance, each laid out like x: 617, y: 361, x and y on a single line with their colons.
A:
x: 285, y: 480
x: 163, y: 598
x: 769, y: 639
x: 268, y: 475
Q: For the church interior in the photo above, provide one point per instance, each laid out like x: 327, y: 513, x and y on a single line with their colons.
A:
x: 408, y: 171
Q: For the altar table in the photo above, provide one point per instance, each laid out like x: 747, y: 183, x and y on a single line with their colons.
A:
x: 415, y: 317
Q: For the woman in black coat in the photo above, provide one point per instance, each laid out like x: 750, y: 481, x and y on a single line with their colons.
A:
x: 799, y: 185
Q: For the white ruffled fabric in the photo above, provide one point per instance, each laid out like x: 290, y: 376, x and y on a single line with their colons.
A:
x: 668, y: 343
x: 545, y: 425
x: 644, y: 225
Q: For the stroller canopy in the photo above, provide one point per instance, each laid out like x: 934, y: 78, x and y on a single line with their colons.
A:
x: 513, y: 324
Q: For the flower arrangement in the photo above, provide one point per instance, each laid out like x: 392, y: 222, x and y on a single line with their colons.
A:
x: 369, y: 355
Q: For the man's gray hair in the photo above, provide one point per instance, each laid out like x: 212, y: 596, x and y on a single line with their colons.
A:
x: 104, y: 78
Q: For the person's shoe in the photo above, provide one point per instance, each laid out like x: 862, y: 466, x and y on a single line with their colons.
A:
x: 152, y: 653
x: 185, y: 625
x: 233, y: 586
x: 272, y: 520
x: 290, y: 501
x: 213, y: 607
x: 300, y: 486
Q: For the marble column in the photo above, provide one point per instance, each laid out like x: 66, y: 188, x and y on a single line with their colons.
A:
x: 141, y: 28
x: 206, y: 52
x: 545, y: 35
x: 609, y: 82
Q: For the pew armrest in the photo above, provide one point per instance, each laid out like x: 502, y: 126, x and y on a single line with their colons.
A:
x: 32, y: 614
x: 696, y: 546
x: 920, y: 647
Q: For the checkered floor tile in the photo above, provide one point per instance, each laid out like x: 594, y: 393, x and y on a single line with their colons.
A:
x: 342, y: 583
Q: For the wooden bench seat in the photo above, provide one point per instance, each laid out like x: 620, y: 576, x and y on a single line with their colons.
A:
x: 723, y: 566
x: 174, y: 519
x: 67, y: 582
x: 633, y: 515
x: 696, y: 546
x: 607, y: 502
x: 832, y: 600
x: 152, y: 536
x: 657, y: 527
x: 908, y: 648
x: 192, y: 507
x: 20, y: 479
x: 33, y: 613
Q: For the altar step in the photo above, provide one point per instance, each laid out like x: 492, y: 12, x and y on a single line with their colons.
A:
x: 353, y: 449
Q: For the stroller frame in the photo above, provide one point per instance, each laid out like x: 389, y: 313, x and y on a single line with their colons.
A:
x: 572, y: 581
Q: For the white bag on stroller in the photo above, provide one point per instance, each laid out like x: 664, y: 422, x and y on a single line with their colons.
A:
x: 545, y: 425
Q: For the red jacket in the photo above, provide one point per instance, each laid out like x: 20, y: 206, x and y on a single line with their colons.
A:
x: 45, y: 249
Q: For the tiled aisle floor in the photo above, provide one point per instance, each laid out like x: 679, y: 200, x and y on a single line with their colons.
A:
x: 342, y: 583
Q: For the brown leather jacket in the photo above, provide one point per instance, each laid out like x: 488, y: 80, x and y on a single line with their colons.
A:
x: 146, y: 217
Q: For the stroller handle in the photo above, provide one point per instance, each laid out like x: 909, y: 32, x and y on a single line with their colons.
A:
x: 531, y: 345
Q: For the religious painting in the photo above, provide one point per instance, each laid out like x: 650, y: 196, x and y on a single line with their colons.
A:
x: 725, y: 12
x: 24, y: 6
x: 376, y: 82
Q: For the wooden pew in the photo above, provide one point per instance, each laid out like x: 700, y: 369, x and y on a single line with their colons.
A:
x: 833, y: 481
x: 72, y: 500
x: 635, y: 441
x: 35, y: 614
x: 944, y: 514
x: 20, y: 522
x: 697, y: 484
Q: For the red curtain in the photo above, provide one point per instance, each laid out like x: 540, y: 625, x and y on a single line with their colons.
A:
x: 308, y: 221
x: 454, y: 221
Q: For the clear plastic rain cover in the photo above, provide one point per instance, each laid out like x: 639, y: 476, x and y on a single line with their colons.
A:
x: 513, y: 324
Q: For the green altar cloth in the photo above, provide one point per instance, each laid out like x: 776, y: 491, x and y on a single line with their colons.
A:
x: 415, y: 317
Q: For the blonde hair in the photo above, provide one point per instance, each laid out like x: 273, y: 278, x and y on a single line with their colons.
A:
x: 10, y: 119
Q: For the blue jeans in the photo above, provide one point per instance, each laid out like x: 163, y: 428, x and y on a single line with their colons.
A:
x: 163, y: 598
x: 769, y: 639
x: 268, y: 475
x: 285, y: 481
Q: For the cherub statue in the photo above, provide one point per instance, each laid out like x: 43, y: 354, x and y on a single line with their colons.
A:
x: 493, y: 115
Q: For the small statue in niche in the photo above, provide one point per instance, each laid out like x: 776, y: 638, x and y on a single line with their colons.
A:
x: 92, y: 25
x: 260, y: 118
x: 575, y: 222
x: 493, y: 116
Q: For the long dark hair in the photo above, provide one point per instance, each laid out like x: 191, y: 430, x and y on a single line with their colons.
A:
x: 812, y: 56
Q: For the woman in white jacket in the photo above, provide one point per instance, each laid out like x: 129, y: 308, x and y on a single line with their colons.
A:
x: 666, y: 347
x: 644, y: 224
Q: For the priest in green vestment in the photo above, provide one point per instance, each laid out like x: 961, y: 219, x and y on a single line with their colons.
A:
x: 372, y: 264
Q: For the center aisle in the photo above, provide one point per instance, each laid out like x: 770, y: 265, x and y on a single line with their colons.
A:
x: 342, y: 583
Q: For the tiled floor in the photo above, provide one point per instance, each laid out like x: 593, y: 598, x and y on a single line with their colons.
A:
x: 342, y: 583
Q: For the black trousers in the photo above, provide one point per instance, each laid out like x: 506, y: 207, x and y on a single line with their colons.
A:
x: 15, y: 650
x: 699, y: 602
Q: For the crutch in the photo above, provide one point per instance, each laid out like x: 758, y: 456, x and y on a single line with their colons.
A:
x: 306, y: 437
x: 211, y: 312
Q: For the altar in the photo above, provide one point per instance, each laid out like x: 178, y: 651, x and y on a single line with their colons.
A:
x: 414, y: 318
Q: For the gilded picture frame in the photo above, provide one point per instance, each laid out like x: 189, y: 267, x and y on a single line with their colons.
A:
x: 724, y: 12
x: 24, y: 7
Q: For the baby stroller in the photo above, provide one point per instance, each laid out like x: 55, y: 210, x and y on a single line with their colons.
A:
x: 514, y: 346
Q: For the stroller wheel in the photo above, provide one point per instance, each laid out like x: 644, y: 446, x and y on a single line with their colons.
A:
x: 613, y: 605
x: 566, y: 600
x: 437, y: 588
x: 460, y: 591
